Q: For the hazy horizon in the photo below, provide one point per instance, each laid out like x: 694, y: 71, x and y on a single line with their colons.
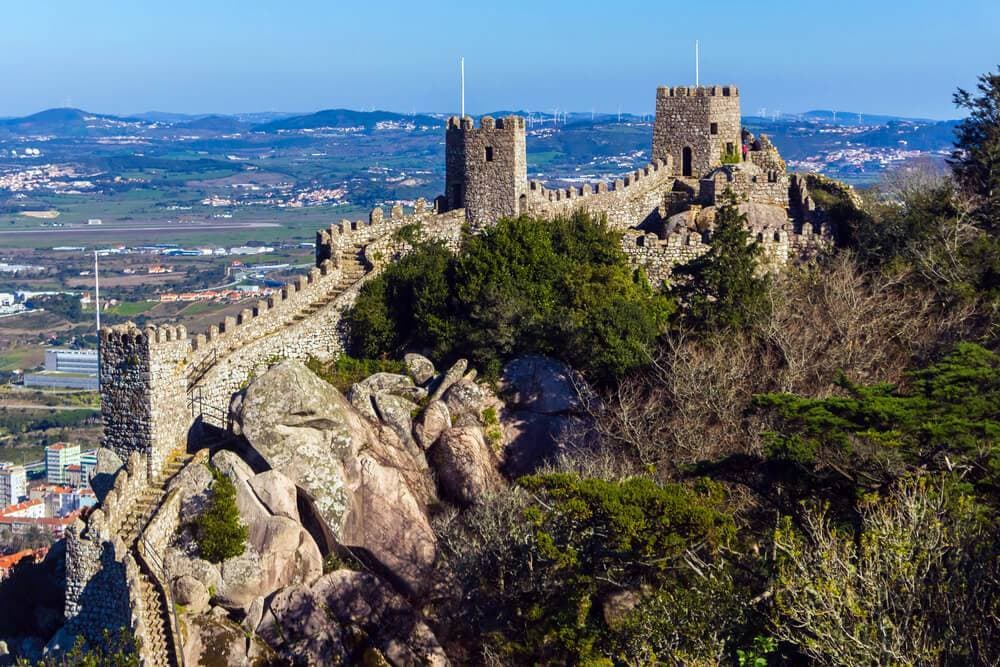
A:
x: 218, y: 57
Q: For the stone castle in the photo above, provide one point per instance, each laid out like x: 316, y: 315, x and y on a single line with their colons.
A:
x: 166, y: 393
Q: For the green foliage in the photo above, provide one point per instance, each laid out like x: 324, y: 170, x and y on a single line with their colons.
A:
x: 913, y: 582
x: 559, y: 287
x: 721, y: 289
x: 117, y: 649
x: 409, y: 233
x: 591, y: 540
x: 756, y: 655
x: 345, y: 370
x: 731, y: 157
x: 976, y: 159
x: 949, y: 417
x: 218, y: 530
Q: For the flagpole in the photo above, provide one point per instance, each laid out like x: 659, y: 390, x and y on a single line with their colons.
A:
x: 697, y: 65
x: 462, y: 63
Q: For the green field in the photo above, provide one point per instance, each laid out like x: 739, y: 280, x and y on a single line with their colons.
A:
x: 23, y: 357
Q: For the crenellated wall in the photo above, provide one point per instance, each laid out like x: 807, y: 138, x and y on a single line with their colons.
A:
x: 627, y: 202
x: 657, y: 256
x: 102, y: 589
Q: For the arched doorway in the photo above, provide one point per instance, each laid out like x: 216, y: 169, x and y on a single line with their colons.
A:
x: 522, y: 204
x: 686, y: 169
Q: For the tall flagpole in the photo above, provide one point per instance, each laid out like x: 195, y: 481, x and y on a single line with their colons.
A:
x: 462, y: 63
x: 697, y: 65
x: 97, y: 295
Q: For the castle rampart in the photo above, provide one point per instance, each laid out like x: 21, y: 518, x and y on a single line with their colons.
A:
x: 626, y: 202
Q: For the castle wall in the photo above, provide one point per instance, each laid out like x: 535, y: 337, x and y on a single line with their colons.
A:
x: 657, y: 256
x: 684, y: 119
x: 102, y: 589
x: 627, y: 202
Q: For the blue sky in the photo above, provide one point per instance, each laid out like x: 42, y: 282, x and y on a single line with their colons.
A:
x: 117, y: 56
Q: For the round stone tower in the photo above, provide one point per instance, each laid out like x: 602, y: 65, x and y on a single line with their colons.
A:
x: 697, y: 127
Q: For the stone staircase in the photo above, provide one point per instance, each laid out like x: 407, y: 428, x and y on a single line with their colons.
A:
x: 157, y: 648
x: 352, y: 268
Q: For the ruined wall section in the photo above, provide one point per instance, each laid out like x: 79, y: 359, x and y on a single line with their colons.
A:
x: 780, y: 247
x: 704, y: 120
x: 627, y: 202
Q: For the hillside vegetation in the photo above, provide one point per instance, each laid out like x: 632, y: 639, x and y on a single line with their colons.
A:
x: 790, y: 469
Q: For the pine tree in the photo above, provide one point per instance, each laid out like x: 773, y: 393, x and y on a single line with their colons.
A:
x: 218, y: 530
x: 721, y: 289
x: 976, y: 158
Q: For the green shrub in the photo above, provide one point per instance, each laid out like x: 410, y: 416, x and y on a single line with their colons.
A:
x: 218, y: 531
x: 346, y: 370
x: 561, y: 288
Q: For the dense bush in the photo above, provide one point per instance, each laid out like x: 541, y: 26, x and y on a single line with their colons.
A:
x: 581, y: 568
x: 559, y: 287
x: 218, y: 530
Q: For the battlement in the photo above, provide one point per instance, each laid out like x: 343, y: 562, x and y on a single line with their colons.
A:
x: 510, y: 123
x: 697, y: 91
x: 781, y: 245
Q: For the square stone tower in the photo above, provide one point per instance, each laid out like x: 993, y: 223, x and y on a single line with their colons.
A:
x: 486, y: 168
x: 696, y: 127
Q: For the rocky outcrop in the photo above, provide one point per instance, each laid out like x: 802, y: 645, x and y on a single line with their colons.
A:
x: 420, y: 368
x: 453, y: 375
x: 466, y: 467
x: 213, y: 639
x: 344, y: 618
x: 435, y: 420
x: 369, y: 486
x: 542, y: 404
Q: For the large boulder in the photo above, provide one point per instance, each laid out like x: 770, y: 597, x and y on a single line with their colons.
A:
x: 453, y: 375
x: 467, y: 469
x: 434, y: 421
x: 369, y: 488
x: 362, y: 394
x: 191, y: 594
x: 540, y: 385
x: 108, y: 465
x: 466, y: 402
x: 421, y: 368
x: 341, y: 618
x: 277, y: 493
x: 542, y: 404
x: 212, y: 639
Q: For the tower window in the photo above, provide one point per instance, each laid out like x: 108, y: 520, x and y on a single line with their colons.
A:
x: 713, y: 128
x: 489, y: 154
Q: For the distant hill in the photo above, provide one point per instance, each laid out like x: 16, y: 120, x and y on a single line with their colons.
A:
x: 226, y: 124
x: 67, y: 122
x: 345, y: 118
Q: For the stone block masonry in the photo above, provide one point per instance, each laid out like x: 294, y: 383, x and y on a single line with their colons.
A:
x: 486, y: 168
x: 696, y: 127
x: 630, y: 201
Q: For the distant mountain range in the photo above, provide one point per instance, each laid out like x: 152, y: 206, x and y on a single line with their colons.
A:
x: 76, y: 122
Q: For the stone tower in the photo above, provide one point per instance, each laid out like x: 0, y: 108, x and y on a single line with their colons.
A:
x: 486, y: 168
x: 696, y: 127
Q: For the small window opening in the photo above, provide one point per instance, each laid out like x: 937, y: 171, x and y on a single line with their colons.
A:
x: 489, y: 154
x: 714, y: 128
